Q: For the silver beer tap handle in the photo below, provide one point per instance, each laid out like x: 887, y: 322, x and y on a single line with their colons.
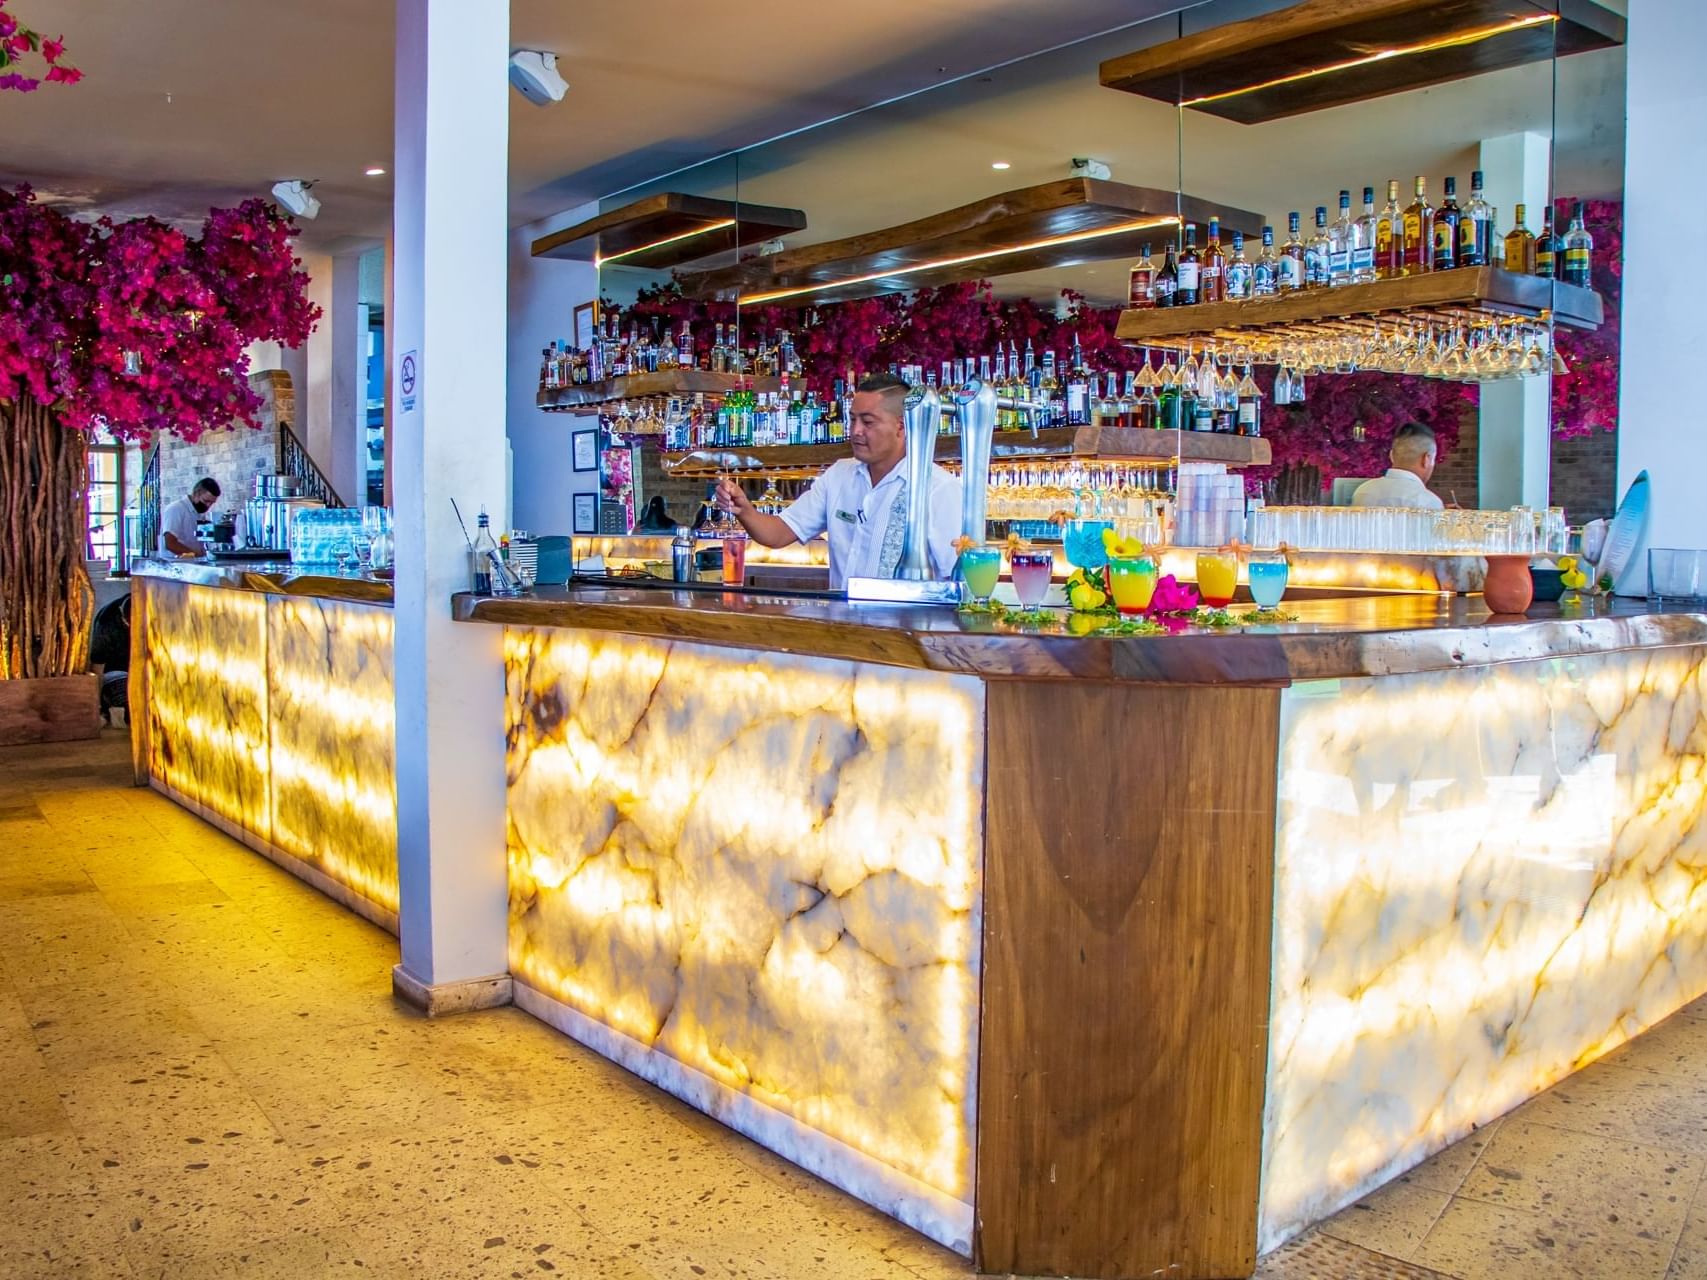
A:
x: 922, y: 413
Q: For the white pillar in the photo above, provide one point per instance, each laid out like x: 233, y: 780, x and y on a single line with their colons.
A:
x: 313, y: 423
x: 1665, y: 170
x: 1515, y: 434
x: 447, y: 377
x: 346, y: 434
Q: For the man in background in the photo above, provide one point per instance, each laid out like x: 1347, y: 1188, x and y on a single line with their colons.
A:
x: 1406, y: 482
x: 178, y: 520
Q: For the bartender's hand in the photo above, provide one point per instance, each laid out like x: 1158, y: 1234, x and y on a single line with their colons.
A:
x: 733, y: 498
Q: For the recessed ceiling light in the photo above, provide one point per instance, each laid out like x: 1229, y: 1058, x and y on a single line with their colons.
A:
x: 374, y: 171
x: 1001, y: 164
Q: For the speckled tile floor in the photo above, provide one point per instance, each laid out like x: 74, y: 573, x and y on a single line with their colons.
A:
x: 202, y: 1074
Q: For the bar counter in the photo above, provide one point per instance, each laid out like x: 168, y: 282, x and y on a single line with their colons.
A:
x: 1090, y: 956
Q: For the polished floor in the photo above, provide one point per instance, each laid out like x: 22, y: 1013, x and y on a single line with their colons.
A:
x: 202, y: 1074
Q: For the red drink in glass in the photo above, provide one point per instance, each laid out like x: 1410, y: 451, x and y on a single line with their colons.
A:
x: 735, y: 560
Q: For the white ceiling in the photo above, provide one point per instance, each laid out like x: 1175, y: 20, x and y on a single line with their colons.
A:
x: 188, y: 103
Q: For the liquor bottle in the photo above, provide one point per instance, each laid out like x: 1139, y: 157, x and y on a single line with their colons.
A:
x: 1127, y: 406
x: 1316, y: 251
x: 1265, y: 274
x: 1340, y: 243
x: 1143, y: 277
x: 719, y: 353
x: 1578, y: 252
x: 1032, y: 377
x: 1166, y: 288
x: 1520, y: 247
x: 1419, y: 233
x: 1239, y: 271
x: 1476, y: 228
x: 1078, y: 389
x: 1546, y: 247
x: 1105, y: 408
x: 1363, y: 241
x: 1446, y: 219
x: 1190, y: 270
x: 684, y: 347
x: 1390, y: 236
x: 1049, y: 390
x: 1250, y: 401
x: 1291, y: 256
x: 1212, y: 279
x: 480, y: 556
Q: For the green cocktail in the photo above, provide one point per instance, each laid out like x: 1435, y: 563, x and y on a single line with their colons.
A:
x: 981, y: 569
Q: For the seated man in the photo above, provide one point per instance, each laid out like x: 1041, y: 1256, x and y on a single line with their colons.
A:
x: 1406, y: 482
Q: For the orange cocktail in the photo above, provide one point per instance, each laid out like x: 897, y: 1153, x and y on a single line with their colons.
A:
x: 1217, y: 577
x: 1132, y: 581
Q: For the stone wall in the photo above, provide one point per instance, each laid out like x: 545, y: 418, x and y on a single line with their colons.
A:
x: 231, y: 455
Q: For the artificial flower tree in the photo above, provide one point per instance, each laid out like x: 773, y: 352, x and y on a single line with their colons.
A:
x: 131, y: 327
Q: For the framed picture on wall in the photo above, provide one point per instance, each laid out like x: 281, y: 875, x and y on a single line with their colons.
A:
x: 586, y: 513
x: 584, y: 450
x: 586, y: 320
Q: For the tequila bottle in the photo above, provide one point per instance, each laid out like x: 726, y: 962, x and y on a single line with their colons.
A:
x: 1520, y: 246
x: 1446, y: 219
x: 1419, y: 233
x: 1476, y: 228
x: 1340, y: 237
x: 1316, y: 252
x: 1239, y: 271
x: 1579, y: 252
x: 1363, y: 241
x: 1390, y: 236
x: 1292, y: 256
x: 1265, y: 274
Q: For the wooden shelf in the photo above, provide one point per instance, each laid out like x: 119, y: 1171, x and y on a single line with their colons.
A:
x: 1261, y: 69
x: 668, y: 229
x: 1466, y: 290
x: 1109, y: 444
x: 1056, y: 224
x: 587, y: 397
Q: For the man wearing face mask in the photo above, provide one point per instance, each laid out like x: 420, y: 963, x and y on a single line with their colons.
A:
x: 178, y: 520
x: 860, y: 503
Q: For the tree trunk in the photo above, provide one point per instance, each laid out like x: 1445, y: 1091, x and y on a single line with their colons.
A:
x: 46, y: 602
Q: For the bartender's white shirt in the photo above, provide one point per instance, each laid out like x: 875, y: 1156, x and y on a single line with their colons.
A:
x: 179, y: 518
x: 843, y: 505
x: 1398, y: 488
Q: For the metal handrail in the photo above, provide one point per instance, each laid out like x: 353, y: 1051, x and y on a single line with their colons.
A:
x: 148, y: 505
x: 294, y: 460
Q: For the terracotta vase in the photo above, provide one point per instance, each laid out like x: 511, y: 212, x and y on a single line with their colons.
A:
x: 1509, y: 588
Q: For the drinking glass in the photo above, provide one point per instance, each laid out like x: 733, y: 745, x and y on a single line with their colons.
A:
x: 1217, y: 577
x: 1031, y: 573
x: 981, y: 569
x: 1133, y: 582
x: 1083, y: 542
x: 1268, y: 573
x: 735, y: 558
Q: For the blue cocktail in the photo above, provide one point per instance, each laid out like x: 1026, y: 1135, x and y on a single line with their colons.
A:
x: 1082, y: 540
x: 1268, y: 574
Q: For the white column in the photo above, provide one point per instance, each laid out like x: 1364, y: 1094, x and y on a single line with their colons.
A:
x: 345, y: 435
x: 447, y: 377
x: 313, y: 423
x: 1665, y: 170
x: 1515, y: 434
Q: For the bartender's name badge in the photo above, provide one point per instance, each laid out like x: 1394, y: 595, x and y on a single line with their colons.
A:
x: 848, y: 516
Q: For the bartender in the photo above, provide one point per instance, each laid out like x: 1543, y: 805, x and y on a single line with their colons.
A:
x: 1406, y: 482
x: 860, y: 503
x: 178, y: 521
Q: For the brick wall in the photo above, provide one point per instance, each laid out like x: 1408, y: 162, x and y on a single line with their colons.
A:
x: 1585, y: 476
x: 231, y: 455
x: 1456, y: 475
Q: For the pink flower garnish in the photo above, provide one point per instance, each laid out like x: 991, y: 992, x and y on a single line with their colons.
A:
x: 52, y: 50
x: 64, y: 75
x: 1171, y: 597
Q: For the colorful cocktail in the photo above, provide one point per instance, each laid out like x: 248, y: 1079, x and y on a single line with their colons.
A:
x: 981, y: 569
x: 1031, y: 572
x: 734, y: 559
x: 1133, y: 582
x: 1268, y: 574
x: 1082, y: 540
x: 1217, y: 577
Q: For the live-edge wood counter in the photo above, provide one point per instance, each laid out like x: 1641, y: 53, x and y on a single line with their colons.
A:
x: 1258, y: 920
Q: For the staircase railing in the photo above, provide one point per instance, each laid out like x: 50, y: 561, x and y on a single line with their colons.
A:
x: 148, y: 506
x: 294, y: 461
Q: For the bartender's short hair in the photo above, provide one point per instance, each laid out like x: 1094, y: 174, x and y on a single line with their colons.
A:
x: 893, y: 390
x: 1412, y: 442
x: 208, y: 483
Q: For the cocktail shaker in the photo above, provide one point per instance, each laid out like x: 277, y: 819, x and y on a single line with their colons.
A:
x: 681, y: 555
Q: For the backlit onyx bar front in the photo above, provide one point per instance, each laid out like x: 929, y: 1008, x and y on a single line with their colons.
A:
x: 1095, y: 956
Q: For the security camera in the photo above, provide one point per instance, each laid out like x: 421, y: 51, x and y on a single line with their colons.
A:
x: 1080, y: 167
x: 293, y: 195
x: 535, y: 75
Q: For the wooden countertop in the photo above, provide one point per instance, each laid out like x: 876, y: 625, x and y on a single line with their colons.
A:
x: 1332, y: 638
x: 271, y: 577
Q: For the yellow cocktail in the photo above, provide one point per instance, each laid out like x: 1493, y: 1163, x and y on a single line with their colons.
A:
x: 1133, y: 582
x: 1217, y: 577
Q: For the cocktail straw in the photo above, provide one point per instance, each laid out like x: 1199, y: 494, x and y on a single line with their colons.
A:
x: 463, y: 523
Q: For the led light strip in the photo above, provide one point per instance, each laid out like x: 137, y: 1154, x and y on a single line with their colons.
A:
x: 1144, y: 224
x: 659, y: 244
x: 1446, y: 42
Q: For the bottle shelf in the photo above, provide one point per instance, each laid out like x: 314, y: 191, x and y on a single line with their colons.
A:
x: 1103, y: 443
x: 590, y: 396
x: 1460, y: 294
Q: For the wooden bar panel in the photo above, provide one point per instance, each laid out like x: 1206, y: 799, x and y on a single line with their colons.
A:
x: 1128, y: 873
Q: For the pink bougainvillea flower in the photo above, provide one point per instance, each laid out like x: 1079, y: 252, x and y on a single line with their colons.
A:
x: 53, y: 50
x: 64, y: 75
x: 23, y: 84
x: 1173, y: 597
x: 8, y: 24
